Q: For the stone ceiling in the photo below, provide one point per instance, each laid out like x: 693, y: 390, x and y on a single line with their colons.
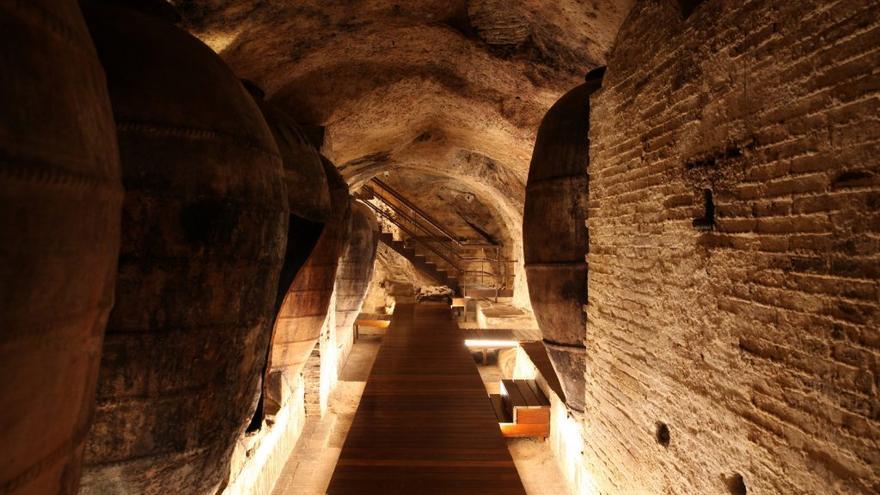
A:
x: 455, y: 88
x: 465, y: 215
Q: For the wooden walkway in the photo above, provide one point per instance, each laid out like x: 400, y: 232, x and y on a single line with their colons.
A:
x: 425, y: 424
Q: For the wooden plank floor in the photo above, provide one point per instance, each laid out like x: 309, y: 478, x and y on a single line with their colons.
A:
x: 425, y: 424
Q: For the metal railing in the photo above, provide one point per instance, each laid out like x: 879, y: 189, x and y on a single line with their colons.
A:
x: 423, y: 230
x: 378, y: 186
x: 431, y: 248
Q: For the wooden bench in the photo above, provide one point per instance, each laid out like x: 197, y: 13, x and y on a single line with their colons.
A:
x: 366, y: 321
x: 522, y: 409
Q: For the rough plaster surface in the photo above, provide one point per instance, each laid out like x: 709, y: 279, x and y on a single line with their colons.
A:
x: 393, y: 276
x: 463, y: 213
x: 455, y: 88
x: 757, y: 342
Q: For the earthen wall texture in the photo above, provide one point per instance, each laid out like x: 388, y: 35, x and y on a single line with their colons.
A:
x: 754, y: 341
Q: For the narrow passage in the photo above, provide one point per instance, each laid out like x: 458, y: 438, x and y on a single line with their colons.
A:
x: 424, y: 424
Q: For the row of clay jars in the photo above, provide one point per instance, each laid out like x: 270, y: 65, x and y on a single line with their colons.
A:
x: 354, y: 275
x: 319, y: 231
x: 205, y: 217
x: 308, y: 197
x: 203, y: 235
x: 305, y: 304
x: 555, y: 251
x: 60, y: 200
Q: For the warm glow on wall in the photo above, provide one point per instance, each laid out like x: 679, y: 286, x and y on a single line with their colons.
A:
x: 568, y: 443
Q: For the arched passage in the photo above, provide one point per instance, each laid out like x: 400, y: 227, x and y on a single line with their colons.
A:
x: 473, y: 215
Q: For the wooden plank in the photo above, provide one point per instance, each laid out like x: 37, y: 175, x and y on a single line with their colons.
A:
x: 514, y: 335
x: 498, y: 406
x: 519, y: 430
x: 538, y: 355
x: 374, y: 316
x: 532, y: 415
x: 527, y: 393
x: 483, y: 334
x: 373, y: 323
x: 424, y: 424
x: 514, y: 397
x: 542, y: 399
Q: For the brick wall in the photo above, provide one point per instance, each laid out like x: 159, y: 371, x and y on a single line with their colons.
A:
x: 755, y: 342
x: 320, y: 372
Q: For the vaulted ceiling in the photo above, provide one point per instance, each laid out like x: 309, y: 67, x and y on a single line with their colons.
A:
x: 456, y: 88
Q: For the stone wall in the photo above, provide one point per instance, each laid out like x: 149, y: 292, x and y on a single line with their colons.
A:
x: 321, y: 369
x: 393, y: 274
x: 259, y: 457
x: 734, y: 226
